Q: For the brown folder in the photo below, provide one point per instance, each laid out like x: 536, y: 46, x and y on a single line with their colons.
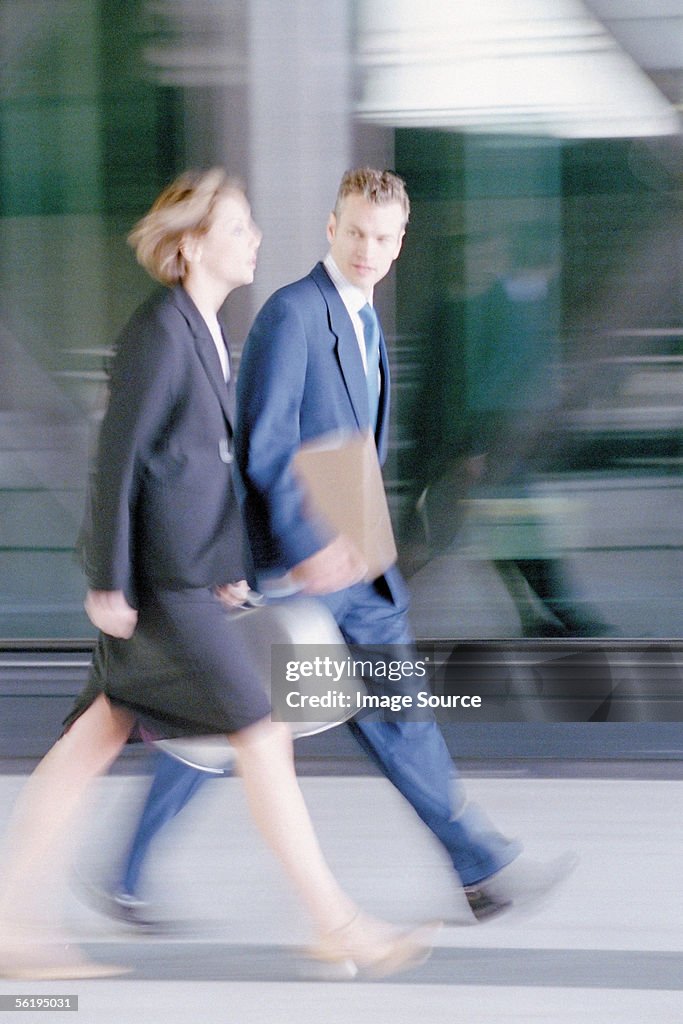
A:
x: 342, y: 476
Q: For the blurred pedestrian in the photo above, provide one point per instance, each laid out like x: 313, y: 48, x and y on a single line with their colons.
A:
x: 491, y: 424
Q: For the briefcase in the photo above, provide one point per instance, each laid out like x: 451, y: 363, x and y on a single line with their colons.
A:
x: 288, y: 632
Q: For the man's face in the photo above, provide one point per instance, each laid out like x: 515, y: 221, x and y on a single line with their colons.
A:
x: 365, y: 239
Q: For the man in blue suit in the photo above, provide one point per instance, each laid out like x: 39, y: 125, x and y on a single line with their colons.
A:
x: 315, y: 363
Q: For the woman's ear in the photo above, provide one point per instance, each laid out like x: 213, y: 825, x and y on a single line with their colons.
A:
x: 191, y: 248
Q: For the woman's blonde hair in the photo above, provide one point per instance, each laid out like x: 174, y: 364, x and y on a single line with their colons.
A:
x: 183, y: 209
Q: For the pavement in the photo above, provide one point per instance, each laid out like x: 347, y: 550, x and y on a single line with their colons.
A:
x: 608, y: 949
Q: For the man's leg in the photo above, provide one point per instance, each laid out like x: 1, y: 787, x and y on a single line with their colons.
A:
x: 173, y: 786
x: 413, y: 754
x: 414, y: 757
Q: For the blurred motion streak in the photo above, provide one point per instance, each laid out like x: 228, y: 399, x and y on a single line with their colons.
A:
x: 504, y: 65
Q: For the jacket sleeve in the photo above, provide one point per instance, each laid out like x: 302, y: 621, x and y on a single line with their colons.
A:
x: 143, y: 382
x: 270, y: 395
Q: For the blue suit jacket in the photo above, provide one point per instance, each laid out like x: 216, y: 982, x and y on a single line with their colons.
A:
x: 301, y: 377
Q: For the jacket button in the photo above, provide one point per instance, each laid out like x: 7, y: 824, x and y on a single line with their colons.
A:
x: 224, y: 452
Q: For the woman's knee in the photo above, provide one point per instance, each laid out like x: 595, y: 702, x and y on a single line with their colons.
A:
x: 102, y: 729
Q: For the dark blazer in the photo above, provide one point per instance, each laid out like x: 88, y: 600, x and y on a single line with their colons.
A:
x: 301, y: 377
x: 163, y: 511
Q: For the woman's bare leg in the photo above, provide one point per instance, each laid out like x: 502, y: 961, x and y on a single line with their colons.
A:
x: 50, y: 799
x: 266, y: 763
x: 39, y: 827
x: 345, y: 935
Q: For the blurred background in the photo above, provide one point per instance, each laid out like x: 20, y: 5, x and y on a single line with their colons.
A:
x: 534, y: 319
x: 535, y: 329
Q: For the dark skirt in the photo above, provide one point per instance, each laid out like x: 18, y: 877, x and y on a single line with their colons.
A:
x: 189, y: 669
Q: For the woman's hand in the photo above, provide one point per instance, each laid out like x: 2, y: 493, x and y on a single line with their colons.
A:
x: 109, y: 611
x: 233, y: 594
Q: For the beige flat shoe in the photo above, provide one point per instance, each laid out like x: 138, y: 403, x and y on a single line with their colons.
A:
x: 371, y: 948
x: 48, y: 962
x: 62, y: 972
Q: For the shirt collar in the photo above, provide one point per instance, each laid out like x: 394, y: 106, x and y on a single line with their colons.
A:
x: 352, y: 297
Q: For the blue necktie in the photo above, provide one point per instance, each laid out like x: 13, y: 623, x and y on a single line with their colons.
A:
x: 371, y: 334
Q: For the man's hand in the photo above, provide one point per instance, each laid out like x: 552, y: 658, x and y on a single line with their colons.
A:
x: 335, y: 567
x: 110, y: 612
x: 233, y: 594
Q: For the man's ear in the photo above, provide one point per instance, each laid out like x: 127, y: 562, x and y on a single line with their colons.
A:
x: 399, y: 244
x: 332, y: 227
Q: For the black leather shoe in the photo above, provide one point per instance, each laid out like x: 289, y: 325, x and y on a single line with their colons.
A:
x: 482, y: 906
x: 523, y: 884
x: 124, y: 907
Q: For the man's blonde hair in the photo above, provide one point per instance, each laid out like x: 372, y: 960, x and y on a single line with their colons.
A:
x: 184, y: 209
x: 378, y: 187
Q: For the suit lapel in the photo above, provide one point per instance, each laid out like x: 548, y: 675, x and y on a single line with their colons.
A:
x: 349, y: 357
x: 207, y: 353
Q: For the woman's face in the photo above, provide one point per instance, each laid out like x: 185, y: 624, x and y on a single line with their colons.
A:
x: 226, y: 254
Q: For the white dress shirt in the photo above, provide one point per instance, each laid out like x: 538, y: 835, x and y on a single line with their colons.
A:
x: 354, y: 300
x: 219, y: 342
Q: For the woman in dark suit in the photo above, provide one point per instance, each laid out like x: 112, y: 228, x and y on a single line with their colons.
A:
x: 164, y: 559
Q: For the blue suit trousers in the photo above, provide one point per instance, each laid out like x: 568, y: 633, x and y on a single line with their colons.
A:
x: 413, y: 754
